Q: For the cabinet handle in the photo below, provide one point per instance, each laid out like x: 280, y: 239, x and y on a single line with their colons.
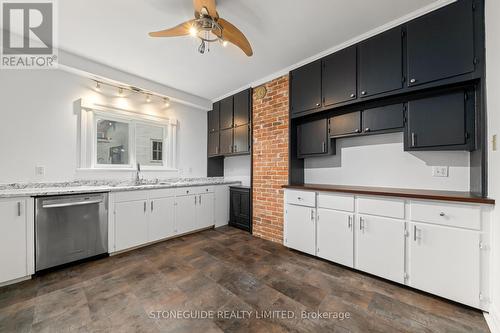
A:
x: 442, y: 214
x: 367, y: 129
x: 235, y: 148
x: 414, y: 233
x: 349, y: 222
x: 312, y: 214
x: 200, y: 199
x: 363, y: 92
x: 413, y: 140
x: 323, y: 147
x: 231, y: 149
x: 152, y: 205
x: 144, y: 207
x: 195, y: 200
x: 413, y: 80
x: 18, y: 209
x: 353, y: 95
x: 362, y: 224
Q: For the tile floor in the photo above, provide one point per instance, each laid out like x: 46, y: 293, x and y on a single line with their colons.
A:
x: 222, y: 270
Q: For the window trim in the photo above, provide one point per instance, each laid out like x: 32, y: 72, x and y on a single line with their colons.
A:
x: 90, y: 113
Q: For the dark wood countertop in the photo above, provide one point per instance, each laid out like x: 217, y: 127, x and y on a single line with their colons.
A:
x: 396, y: 192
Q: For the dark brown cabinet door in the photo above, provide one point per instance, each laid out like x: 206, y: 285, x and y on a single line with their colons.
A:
x: 381, y: 63
x: 213, y: 118
x: 339, y: 77
x: 437, y: 121
x: 241, y: 139
x: 313, y: 138
x: 226, y: 142
x: 305, y: 91
x: 213, y: 143
x: 345, y: 124
x: 242, y: 108
x: 383, y: 118
x: 240, y: 208
x: 226, y: 113
x: 441, y: 44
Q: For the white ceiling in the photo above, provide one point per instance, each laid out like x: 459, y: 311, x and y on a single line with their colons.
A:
x: 282, y: 33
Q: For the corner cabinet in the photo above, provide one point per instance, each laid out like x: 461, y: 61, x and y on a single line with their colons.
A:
x: 17, y: 256
x: 439, y: 247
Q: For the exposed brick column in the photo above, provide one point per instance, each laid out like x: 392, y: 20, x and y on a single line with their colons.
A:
x: 270, y: 159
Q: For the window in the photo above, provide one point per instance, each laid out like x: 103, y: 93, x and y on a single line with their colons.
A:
x: 114, y: 139
x: 156, y: 151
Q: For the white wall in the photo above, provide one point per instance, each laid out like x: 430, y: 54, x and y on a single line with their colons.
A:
x: 38, y: 126
x: 379, y: 160
x: 493, y: 107
x: 238, y: 168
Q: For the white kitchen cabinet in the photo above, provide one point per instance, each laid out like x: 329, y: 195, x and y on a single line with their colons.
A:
x: 131, y: 224
x: 300, y: 228
x: 16, y: 239
x: 335, y: 236
x: 185, y: 214
x: 205, y: 211
x: 445, y: 261
x: 380, y: 246
x: 161, y: 218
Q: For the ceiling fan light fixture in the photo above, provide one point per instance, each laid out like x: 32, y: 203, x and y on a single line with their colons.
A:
x: 193, y: 31
x: 224, y: 42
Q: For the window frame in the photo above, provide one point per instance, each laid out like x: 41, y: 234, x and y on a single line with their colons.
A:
x: 91, y: 113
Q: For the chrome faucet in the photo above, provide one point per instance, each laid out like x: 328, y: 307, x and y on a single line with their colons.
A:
x: 138, y: 178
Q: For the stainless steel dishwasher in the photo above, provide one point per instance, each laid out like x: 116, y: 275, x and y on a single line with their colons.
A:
x: 70, y: 228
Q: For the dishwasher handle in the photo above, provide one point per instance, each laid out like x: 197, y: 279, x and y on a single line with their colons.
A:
x: 71, y: 204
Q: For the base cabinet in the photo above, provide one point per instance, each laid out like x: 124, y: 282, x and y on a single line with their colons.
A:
x: 16, y: 254
x: 161, y: 219
x: 131, y: 227
x: 445, y: 261
x: 185, y: 214
x: 335, y: 236
x: 380, y: 247
x: 205, y: 211
x: 300, y: 230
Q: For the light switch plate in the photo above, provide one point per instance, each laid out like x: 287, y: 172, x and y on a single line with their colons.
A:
x: 40, y: 170
x: 440, y: 171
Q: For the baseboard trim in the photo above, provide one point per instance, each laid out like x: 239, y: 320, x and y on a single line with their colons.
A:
x: 493, y: 319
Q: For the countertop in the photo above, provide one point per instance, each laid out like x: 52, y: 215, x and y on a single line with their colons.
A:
x: 456, y: 196
x: 96, y: 186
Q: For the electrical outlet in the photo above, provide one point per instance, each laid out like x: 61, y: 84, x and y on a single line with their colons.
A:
x: 40, y: 170
x: 440, y: 171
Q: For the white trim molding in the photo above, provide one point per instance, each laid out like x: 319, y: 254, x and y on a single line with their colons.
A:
x: 493, y: 319
x: 89, y: 113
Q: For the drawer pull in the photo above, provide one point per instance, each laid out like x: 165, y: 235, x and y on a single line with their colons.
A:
x: 442, y: 214
x: 299, y: 198
x: 312, y: 214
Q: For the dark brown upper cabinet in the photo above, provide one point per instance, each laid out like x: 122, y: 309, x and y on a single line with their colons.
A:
x: 339, y: 77
x: 305, y: 88
x: 381, y: 63
x: 213, y: 118
x: 226, y: 142
x: 345, y: 125
x: 241, y: 136
x: 383, y: 119
x: 226, y: 113
x: 441, y: 44
x: 242, y: 108
x: 213, y: 143
x: 440, y: 122
x: 313, y: 138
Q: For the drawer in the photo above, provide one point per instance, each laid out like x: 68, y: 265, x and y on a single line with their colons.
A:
x: 336, y: 201
x: 181, y: 191
x: 162, y: 193
x: 453, y: 215
x: 303, y: 198
x: 203, y: 189
x: 387, y: 207
x: 131, y: 196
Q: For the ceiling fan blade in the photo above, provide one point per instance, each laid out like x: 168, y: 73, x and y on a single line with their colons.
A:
x: 208, y: 4
x: 180, y: 30
x: 233, y: 35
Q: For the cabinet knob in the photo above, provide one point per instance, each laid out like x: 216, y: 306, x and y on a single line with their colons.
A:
x: 363, y: 93
x: 318, y: 104
x: 367, y: 129
x: 442, y: 214
x: 357, y: 130
x: 353, y: 95
x: 413, y: 80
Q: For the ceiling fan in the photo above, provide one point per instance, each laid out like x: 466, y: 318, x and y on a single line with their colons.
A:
x: 209, y: 28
